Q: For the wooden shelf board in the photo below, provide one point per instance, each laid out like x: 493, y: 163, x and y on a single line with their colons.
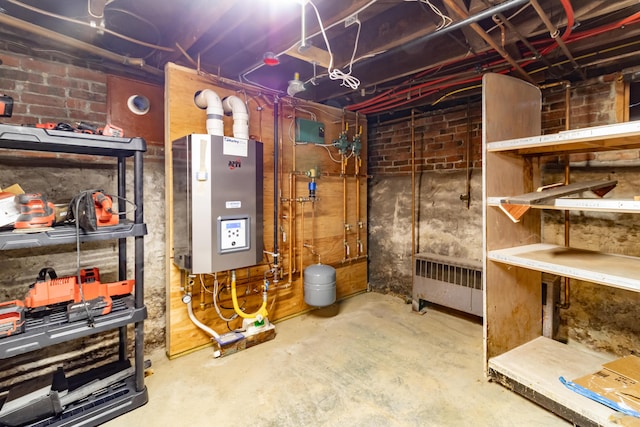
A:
x: 606, y: 205
x: 538, y: 365
x: 618, y: 136
x: 618, y: 271
x: 537, y: 197
x: 596, y: 205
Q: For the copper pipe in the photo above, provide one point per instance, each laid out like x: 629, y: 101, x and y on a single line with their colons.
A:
x: 554, y: 33
x: 280, y: 193
x: 358, y: 219
x: 345, y: 225
x: 343, y: 174
x: 291, y: 225
x: 358, y: 161
x: 536, y: 53
x: 302, y: 240
x: 292, y: 208
x: 313, y: 230
x: 413, y: 194
x: 567, y: 180
x: 202, y: 293
x: 487, y: 38
x: 467, y: 197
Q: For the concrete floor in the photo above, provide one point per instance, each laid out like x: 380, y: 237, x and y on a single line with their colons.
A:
x: 366, y: 361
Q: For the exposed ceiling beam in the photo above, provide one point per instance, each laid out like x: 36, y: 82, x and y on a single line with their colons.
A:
x: 412, y: 57
x: 194, y: 23
x: 587, y: 10
x: 475, y: 42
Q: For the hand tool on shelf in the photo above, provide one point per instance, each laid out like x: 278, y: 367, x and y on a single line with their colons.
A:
x: 105, y: 215
x: 35, y: 211
x: 92, y: 209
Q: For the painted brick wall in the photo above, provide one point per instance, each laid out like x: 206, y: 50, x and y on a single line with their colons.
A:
x: 49, y: 91
x: 46, y: 91
x: 591, y: 105
x: 440, y: 143
x: 441, y: 135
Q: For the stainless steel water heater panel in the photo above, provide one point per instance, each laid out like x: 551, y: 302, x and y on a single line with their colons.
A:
x: 217, y: 203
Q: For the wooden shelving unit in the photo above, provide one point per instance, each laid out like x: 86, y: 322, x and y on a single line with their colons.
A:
x: 515, y: 257
x: 606, y: 269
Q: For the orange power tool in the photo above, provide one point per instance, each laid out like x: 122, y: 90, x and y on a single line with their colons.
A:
x: 104, y: 210
x: 35, y: 211
x: 45, y: 292
x: 12, y: 319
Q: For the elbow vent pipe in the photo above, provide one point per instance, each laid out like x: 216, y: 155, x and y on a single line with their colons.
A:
x: 232, y: 105
x: 209, y: 100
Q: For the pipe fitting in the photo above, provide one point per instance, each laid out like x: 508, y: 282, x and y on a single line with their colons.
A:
x: 232, y: 105
x: 209, y: 100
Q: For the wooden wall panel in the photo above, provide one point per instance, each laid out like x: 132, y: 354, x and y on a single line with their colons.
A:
x: 308, y: 231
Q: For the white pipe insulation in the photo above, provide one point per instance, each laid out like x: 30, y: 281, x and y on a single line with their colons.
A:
x: 209, y: 100
x: 203, y: 327
x: 199, y: 324
x: 235, y: 106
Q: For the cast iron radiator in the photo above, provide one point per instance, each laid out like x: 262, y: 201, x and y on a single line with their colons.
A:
x: 451, y: 282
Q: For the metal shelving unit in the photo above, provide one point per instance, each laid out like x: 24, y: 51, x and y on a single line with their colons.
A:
x: 130, y: 393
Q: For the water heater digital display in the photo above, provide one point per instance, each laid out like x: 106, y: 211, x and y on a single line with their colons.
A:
x: 233, y: 234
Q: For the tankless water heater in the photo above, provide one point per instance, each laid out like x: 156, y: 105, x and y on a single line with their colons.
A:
x: 217, y: 203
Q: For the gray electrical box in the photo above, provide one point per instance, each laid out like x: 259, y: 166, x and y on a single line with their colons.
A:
x: 217, y: 203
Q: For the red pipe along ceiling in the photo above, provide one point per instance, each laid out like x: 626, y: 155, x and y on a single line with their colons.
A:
x: 405, y: 92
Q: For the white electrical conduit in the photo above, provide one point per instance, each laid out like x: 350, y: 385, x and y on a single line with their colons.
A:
x: 236, y: 107
x: 209, y: 100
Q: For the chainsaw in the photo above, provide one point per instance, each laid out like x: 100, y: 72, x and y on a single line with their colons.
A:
x: 81, y: 299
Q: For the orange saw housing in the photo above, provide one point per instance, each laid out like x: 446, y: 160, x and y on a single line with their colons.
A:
x: 66, y: 289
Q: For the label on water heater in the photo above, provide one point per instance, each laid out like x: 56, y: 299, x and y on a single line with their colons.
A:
x: 235, y: 147
x: 233, y: 205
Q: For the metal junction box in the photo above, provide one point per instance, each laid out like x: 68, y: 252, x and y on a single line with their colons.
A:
x: 217, y: 203
x: 309, y: 131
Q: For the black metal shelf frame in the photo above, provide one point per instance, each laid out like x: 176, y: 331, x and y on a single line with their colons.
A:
x: 36, y: 139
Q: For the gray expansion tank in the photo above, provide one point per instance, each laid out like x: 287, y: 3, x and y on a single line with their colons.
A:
x: 319, y: 285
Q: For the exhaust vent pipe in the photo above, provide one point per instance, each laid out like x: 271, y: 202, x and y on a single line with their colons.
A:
x: 233, y: 105
x: 209, y: 100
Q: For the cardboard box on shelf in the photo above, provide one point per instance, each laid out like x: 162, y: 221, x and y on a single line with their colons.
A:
x: 9, y: 210
x: 618, y: 381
